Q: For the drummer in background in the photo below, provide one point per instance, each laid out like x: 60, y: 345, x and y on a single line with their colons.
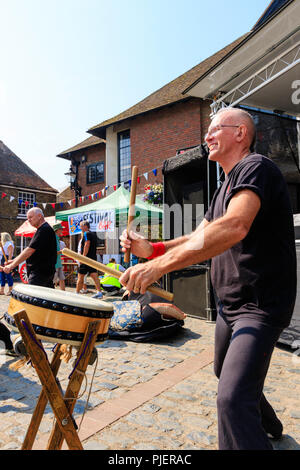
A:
x: 84, y: 289
x: 41, y: 253
x: 88, y: 249
x: 59, y: 275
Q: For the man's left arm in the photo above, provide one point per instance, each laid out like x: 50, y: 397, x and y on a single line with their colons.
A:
x: 211, y: 240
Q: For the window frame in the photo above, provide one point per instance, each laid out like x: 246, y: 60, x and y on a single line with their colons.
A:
x: 94, y: 165
x: 22, y: 208
x: 121, y: 178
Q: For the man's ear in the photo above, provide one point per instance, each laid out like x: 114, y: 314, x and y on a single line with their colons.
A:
x: 241, y: 132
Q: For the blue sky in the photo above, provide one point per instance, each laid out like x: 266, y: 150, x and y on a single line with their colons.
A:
x: 67, y: 65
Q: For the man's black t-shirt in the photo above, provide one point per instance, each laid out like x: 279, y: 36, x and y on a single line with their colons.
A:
x: 92, y: 238
x: 42, y: 261
x: 257, y: 276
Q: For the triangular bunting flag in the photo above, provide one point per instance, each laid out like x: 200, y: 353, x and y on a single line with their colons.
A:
x: 53, y: 205
x: 154, y: 171
x: 138, y: 179
x: 146, y: 176
x: 61, y: 204
x: 3, y: 195
x: 11, y: 198
x: 44, y: 205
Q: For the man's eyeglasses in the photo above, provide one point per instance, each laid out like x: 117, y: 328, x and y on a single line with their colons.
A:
x: 215, y: 129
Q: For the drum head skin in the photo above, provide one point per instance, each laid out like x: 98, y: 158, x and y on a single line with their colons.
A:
x: 58, y: 316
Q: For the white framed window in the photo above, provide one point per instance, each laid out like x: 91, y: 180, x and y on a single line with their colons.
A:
x: 26, y: 201
x: 124, y: 150
x: 95, y: 173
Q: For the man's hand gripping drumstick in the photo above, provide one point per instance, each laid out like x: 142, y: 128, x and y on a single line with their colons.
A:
x: 208, y: 240
x: 139, y: 277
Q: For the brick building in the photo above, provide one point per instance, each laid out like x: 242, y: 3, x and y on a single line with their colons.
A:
x: 19, y: 183
x: 171, y: 120
x: 156, y: 128
x: 87, y: 161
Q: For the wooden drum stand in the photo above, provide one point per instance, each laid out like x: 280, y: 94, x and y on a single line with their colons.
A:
x: 62, y: 405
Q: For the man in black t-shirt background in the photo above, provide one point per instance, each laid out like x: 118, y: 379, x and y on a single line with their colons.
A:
x: 88, y: 249
x: 248, y: 233
x: 41, y: 254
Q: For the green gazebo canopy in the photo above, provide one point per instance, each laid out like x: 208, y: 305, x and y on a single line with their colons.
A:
x: 118, y: 201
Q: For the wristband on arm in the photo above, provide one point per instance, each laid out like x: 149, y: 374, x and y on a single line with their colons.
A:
x: 159, y: 249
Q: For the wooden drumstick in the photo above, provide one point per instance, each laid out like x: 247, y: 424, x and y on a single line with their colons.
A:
x: 131, y: 210
x: 113, y: 272
x: 1, y: 246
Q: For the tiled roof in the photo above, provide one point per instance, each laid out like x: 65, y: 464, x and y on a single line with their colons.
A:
x: 89, y: 142
x: 170, y: 93
x: 14, y: 172
x: 272, y: 9
x: 65, y: 194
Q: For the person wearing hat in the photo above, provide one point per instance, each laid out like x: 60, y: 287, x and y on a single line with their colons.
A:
x: 59, y: 275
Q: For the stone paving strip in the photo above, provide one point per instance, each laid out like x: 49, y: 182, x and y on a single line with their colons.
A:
x: 112, y: 410
x: 157, y: 396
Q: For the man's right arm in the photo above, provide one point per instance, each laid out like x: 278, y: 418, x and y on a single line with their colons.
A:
x: 142, y: 248
x: 19, y: 259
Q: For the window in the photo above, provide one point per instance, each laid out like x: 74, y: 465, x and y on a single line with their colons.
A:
x: 26, y: 201
x: 124, y: 151
x: 95, y: 173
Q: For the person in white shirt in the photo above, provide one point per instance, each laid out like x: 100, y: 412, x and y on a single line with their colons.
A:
x: 8, y: 248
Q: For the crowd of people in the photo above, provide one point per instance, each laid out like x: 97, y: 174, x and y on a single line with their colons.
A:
x: 248, y: 234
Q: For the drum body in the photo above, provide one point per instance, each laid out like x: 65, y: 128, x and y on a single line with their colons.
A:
x: 58, y: 316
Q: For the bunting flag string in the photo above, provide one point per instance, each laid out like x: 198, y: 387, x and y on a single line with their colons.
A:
x: 90, y: 197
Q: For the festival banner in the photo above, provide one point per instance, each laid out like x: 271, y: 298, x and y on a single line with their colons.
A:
x: 100, y: 221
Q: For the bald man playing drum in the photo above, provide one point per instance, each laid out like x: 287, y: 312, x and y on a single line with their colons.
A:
x: 248, y: 233
x: 41, y: 253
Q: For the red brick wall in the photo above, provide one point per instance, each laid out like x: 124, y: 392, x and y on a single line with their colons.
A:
x: 93, y: 154
x: 157, y: 136
x: 205, y: 118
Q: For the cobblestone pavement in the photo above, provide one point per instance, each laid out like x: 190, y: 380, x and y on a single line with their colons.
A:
x: 159, y: 396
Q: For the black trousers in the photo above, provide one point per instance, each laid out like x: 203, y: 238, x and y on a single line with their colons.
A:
x: 5, y: 336
x: 243, y: 351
